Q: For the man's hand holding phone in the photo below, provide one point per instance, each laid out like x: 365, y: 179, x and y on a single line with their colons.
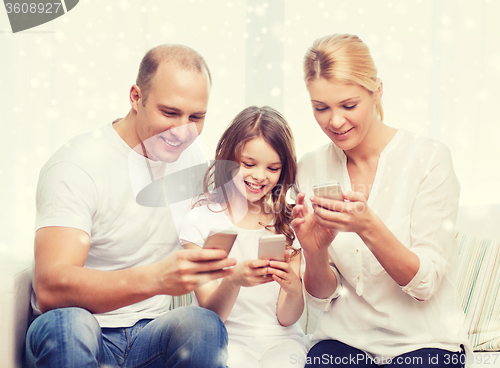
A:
x: 187, y: 269
x: 193, y: 267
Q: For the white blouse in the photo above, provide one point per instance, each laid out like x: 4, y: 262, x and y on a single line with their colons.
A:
x: 415, y: 193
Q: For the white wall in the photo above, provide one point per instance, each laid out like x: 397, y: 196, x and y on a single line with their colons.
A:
x: 439, y: 60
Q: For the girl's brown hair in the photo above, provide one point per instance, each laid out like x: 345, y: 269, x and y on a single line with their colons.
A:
x: 270, y: 125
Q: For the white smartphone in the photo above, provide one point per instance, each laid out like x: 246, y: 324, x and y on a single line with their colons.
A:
x: 272, y: 247
x: 220, y: 240
x: 331, y: 190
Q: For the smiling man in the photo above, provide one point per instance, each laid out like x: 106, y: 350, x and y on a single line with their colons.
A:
x: 168, y: 111
x: 104, y: 264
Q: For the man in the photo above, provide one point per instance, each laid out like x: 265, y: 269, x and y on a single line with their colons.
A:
x: 105, y: 264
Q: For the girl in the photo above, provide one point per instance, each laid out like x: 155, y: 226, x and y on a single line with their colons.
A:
x: 245, y: 190
x: 378, y: 268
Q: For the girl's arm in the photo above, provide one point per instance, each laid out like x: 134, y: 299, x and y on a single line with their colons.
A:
x: 220, y: 298
x: 291, y: 300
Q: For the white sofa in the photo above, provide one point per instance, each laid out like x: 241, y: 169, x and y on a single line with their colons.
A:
x: 15, y: 289
x: 15, y: 312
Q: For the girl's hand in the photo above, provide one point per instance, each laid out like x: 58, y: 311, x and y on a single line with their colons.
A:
x: 283, y: 274
x: 353, y: 216
x: 313, y: 236
x: 251, y: 273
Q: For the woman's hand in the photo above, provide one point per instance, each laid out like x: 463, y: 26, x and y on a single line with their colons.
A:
x: 250, y: 273
x: 315, y: 239
x: 352, y: 216
x: 283, y: 274
x: 313, y: 236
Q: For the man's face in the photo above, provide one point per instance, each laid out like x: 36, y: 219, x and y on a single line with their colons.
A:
x: 174, y: 112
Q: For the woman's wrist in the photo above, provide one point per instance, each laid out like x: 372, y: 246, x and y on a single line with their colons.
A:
x: 317, y: 258
x: 371, y: 228
x: 319, y: 282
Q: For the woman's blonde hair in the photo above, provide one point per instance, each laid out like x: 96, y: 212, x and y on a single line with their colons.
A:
x: 342, y: 58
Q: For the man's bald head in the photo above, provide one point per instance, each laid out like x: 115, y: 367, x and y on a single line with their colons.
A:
x: 180, y: 56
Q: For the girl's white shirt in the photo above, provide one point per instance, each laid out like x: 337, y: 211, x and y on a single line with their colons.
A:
x: 252, y: 321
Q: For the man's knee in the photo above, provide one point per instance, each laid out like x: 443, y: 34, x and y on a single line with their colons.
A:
x: 200, y: 335
x: 199, y: 319
x: 193, y: 325
x: 63, y: 325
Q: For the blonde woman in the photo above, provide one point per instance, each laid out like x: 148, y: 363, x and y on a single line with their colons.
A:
x: 378, y: 262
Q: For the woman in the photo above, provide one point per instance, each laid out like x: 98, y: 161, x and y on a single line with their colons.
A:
x: 377, y: 263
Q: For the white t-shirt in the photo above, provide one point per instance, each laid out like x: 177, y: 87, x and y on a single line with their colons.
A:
x: 91, y: 184
x: 252, y: 321
x: 415, y: 193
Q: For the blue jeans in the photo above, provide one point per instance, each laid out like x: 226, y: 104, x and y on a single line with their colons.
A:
x: 332, y: 353
x: 72, y: 337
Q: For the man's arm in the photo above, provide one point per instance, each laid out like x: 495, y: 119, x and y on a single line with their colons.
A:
x: 62, y: 281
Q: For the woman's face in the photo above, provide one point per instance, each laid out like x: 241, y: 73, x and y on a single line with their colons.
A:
x: 345, y: 112
x: 259, y: 171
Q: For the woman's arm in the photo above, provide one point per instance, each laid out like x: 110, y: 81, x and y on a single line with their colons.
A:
x: 291, y: 300
x: 397, y: 260
x: 355, y: 216
x: 420, y: 267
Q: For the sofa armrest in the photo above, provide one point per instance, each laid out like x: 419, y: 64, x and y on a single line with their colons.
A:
x: 15, y: 312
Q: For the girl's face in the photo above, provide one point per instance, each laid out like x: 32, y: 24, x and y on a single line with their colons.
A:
x: 345, y: 112
x: 260, y: 169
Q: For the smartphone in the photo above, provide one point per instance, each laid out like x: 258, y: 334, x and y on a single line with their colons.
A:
x: 331, y: 190
x: 272, y: 247
x: 220, y: 240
